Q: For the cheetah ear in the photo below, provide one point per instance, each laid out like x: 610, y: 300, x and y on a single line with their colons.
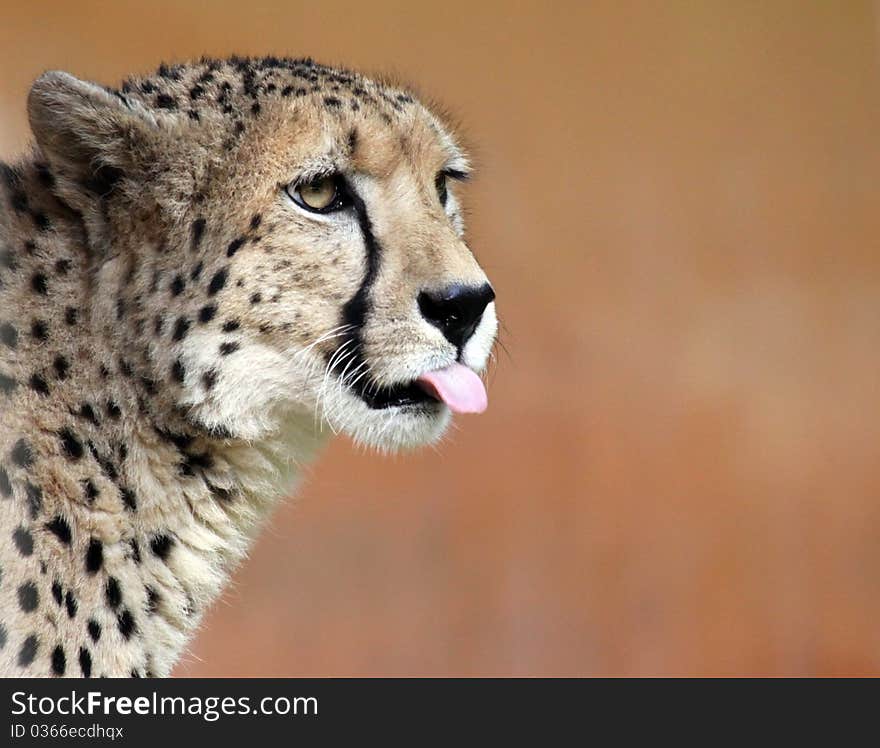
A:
x: 89, y: 134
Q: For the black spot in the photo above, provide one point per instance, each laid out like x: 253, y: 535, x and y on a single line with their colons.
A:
x: 38, y: 385
x: 256, y: 298
x: 129, y: 499
x: 164, y: 101
x: 178, y: 372
x: 177, y: 285
x: 90, y: 491
x: 206, y: 313
x: 94, y: 556
x: 61, y: 366
x: 57, y: 592
x: 19, y: 201
x: 193, y: 461
x: 28, y: 598
x: 7, y: 384
x: 72, y: 446
x: 104, y: 179
x: 196, y: 92
x: 227, y: 348
x: 161, y: 546
x: 24, y: 541
x: 197, y: 230
x: 45, y: 176
x: 70, y: 604
x: 21, y: 454
x: 42, y: 222
x: 105, y: 463
x: 59, y: 661
x: 172, y: 72
x: 39, y: 284
x: 196, y: 271
x: 39, y: 329
x: 125, y: 621
x: 256, y: 219
x: 85, y: 662
x: 113, y: 410
x: 231, y: 326
x: 3, y: 636
x: 61, y: 529
x: 71, y: 315
x: 62, y: 267
x: 221, y: 494
x: 87, y: 412
x: 35, y: 499
x: 149, y: 385
x: 113, y: 592
x: 94, y: 629
x: 5, y: 484
x: 152, y: 600
x: 255, y: 108
x: 332, y: 102
x: 234, y: 246
x: 28, y: 651
x: 8, y: 335
x: 217, y: 282
x: 181, y: 328
x: 181, y: 441
x: 135, y: 550
x: 209, y: 379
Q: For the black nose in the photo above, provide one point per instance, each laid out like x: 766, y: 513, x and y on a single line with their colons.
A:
x: 456, y: 310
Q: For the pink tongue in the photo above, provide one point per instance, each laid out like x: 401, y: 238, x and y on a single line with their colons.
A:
x: 457, y: 386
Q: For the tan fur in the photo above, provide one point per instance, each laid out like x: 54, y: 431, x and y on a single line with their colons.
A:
x: 160, y: 382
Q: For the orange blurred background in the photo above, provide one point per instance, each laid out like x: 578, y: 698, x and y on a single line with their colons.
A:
x: 678, y: 474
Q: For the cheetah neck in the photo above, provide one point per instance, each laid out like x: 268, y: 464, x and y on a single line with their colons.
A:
x: 125, y: 510
x: 198, y: 514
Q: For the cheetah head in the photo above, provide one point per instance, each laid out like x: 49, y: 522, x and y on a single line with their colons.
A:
x: 285, y: 241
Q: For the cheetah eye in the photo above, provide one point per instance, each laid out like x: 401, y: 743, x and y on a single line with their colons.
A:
x: 319, y: 195
x: 440, y: 184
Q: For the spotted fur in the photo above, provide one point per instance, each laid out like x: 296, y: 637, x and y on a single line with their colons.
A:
x: 177, y: 336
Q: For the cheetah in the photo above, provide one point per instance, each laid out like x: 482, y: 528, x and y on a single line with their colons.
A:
x: 205, y: 274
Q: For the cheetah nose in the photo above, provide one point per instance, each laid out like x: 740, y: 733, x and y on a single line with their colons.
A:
x: 456, y: 310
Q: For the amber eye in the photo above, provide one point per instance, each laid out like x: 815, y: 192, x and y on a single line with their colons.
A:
x: 320, y: 195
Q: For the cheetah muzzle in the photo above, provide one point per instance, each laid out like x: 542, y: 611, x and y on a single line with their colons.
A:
x: 202, y: 275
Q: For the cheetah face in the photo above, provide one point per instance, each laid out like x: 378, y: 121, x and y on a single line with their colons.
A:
x: 407, y: 317
x: 300, y: 228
